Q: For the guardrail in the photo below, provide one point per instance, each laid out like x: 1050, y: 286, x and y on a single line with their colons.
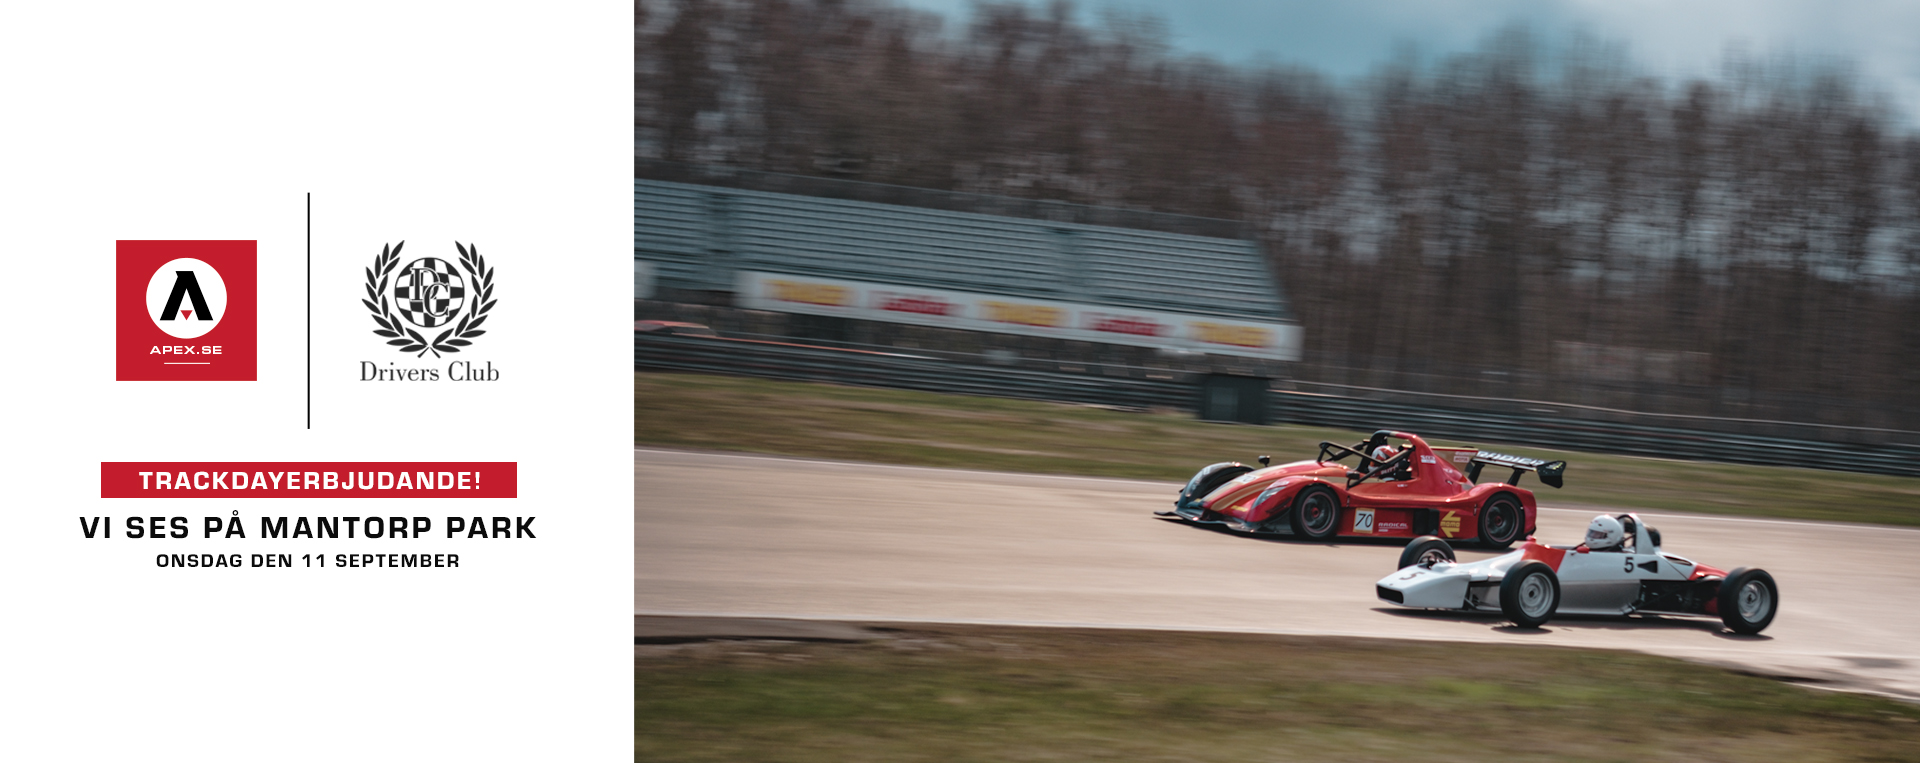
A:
x: 1140, y: 388
x: 901, y: 371
x: 1595, y: 436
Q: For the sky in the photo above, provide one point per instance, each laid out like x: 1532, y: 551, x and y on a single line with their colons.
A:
x: 1674, y: 39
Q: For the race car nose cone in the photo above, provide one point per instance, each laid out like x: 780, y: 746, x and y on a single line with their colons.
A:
x: 1432, y: 589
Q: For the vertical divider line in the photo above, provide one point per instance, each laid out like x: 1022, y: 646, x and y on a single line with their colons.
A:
x: 309, y: 310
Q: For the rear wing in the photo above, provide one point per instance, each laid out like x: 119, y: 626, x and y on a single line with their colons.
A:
x: 1551, y: 472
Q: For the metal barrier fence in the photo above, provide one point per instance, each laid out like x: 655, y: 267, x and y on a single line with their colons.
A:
x: 900, y: 371
x: 1595, y: 436
x: 1151, y: 388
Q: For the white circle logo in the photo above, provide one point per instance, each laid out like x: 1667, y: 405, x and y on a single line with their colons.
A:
x: 186, y: 298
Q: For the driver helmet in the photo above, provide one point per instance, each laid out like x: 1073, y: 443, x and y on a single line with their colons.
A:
x: 1384, y: 452
x: 1604, y: 532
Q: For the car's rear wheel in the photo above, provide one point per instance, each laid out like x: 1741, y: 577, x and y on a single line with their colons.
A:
x: 1748, y: 598
x: 1501, y: 522
x: 1316, y: 513
x: 1529, y: 594
x: 1425, y: 551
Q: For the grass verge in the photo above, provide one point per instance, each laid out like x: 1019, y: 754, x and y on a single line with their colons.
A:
x: 926, y: 429
x: 987, y: 693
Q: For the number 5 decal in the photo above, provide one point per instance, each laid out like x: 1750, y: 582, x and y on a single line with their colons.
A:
x: 1629, y: 561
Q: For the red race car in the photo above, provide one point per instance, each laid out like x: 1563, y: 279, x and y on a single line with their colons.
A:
x: 1398, y: 487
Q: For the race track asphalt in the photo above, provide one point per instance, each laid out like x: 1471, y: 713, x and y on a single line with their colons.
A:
x: 722, y: 535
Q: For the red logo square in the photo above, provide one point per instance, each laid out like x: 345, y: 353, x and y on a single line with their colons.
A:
x: 186, y: 311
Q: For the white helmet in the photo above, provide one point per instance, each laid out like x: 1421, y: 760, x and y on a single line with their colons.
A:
x: 1604, y: 532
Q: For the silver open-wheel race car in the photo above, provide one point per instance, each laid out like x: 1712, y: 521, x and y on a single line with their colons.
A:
x: 1536, y: 581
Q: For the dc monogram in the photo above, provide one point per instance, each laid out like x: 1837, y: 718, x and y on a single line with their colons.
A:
x: 429, y: 293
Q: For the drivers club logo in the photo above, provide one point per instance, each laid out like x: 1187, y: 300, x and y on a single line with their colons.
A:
x: 429, y: 306
x: 429, y: 294
x: 185, y: 310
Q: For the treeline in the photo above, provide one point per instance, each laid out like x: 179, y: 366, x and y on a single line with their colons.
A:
x: 1499, y: 223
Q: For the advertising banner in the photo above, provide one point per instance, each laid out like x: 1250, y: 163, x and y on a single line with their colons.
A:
x: 972, y: 311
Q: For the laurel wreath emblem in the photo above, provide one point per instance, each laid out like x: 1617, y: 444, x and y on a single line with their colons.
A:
x: 409, y: 340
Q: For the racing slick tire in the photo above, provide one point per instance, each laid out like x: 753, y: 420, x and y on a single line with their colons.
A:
x: 1315, y: 514
x: 1529, y: 594
x: 1425, y: 551
x: 1501, y: 522
x: 1748, y: 598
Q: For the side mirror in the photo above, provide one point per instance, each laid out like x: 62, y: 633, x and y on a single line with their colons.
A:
x: 1265, y: 459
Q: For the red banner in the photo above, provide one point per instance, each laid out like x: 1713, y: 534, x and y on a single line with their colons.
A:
x: 342, y: 479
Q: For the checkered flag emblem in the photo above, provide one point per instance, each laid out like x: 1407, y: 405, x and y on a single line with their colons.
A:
x: 429, y: 292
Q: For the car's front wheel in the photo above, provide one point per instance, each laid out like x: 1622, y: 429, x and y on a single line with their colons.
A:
x: 1501, y: 522
x: 1529, y: 594
x: 1316, y: 513
x: 1425, y: 551
x: 1748, y: 598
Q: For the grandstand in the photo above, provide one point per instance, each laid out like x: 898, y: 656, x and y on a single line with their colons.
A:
x: 700, y: 236
x: 976, y: 279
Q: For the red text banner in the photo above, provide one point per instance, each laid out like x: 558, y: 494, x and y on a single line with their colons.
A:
x: 330, y: 479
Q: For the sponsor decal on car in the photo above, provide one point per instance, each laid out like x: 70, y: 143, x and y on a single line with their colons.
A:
x: 1450, y: 524
x: 1506, y: 460
x: 1386, y: 526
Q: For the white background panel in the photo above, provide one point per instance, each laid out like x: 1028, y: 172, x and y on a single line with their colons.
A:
x: 504, y: 125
